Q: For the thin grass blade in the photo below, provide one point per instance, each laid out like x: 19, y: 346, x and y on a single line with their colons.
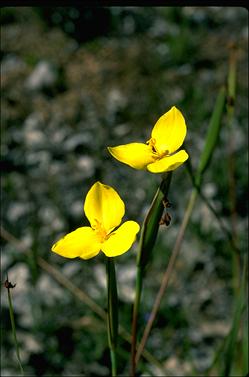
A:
x: 212, y: 135
x: 230, y: 348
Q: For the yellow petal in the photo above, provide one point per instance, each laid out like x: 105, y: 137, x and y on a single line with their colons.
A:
x: 169, y: 131
x: 82, y: 242
x: 103, y: 207
x: 121, y: 239
x: 168, y: 163
x: 136, y: 155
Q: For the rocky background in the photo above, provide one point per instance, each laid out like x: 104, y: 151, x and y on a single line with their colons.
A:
x: 74, y: 81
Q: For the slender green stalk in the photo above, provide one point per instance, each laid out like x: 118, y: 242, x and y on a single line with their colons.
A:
x: 147, y: 240
x: 12, y: 320
x: 167, y: 273
x: 231, y: 93
x: 212, y: 136
x: 135, y: 317
x: 231, y: 348
x: 223, y: 227
x: 245, y: 350
x: 113, y: 354
x: 112, y: 312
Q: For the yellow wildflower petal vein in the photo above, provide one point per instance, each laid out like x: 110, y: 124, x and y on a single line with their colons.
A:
x: 121, y: 239
x: 169, y: 131
x: 82, y: 242
x: 103, y: 207
x: 168, y: 163
x: 136, y: 155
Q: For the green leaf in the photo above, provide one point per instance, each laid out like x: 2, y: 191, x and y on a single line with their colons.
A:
x: 231, y: 79
x: 212, y: 135
x: 230, y: 347
x: 245, y: 352
x: 151, y: 223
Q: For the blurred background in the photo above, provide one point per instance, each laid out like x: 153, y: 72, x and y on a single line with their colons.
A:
x: 74, y: 81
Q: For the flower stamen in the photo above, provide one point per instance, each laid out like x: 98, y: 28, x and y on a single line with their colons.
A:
x: 158, y: 154
x: 100, y: 231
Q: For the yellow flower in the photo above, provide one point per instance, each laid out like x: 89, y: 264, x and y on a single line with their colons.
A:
x: 104, y: 209
x: 159, y: 154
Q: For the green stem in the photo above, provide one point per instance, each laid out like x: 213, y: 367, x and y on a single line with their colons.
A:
x: 223, y: 227
x: 112, y: 312
x: 147, y: 240
x: 113, y: 354
x: 12, y: 320
x: 167, y: 273
x: 231, y: 89
x: 135, y: 318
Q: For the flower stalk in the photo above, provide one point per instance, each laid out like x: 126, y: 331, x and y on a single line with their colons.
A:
x: 9, y: 286
x: 167, y: 274
x: 112, y: 312
x: 230, y: 108
x: 212, y: 136
x: 147, y: 240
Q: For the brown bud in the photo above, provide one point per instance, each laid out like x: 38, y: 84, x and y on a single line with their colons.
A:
x: 166, y: 203
x: 165, y: 219
x: 8, y: 284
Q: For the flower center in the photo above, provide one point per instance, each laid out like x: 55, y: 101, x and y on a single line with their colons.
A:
x: 100, y: 231
x: 158, y: 154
